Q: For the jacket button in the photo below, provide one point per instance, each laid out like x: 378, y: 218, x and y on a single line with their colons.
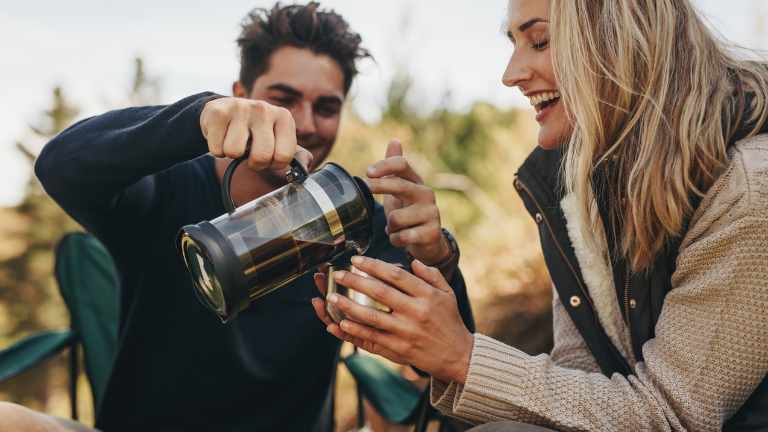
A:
x: 575, y: 301
x: 538, y: 218
x: 632, y: 303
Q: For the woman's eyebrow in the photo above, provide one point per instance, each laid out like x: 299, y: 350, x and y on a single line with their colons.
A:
x: 526, y: 25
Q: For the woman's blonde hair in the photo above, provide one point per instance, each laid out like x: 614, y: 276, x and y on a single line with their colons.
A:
x: 650, y: 90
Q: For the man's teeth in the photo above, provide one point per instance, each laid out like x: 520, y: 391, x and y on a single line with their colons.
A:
x: 540, y: 98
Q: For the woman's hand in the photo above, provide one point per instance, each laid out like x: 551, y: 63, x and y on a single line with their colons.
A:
x: 413, y: 219
x: 424, y: 328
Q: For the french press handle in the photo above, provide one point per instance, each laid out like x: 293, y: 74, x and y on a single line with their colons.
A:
x: 295, y: 174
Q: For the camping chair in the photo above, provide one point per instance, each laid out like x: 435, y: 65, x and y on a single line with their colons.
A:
x: 88, y: 282
x: 396, y: 399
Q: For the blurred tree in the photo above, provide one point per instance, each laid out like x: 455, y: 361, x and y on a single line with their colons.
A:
x: 27, y: 289
x: 29, y: 297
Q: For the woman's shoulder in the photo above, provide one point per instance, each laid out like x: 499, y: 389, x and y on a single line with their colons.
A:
x: 740, y: 191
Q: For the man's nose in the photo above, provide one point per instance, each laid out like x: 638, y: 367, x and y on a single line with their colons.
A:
x: 304, y: 117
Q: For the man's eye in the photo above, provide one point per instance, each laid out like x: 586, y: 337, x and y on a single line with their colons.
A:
x: 327, y: 111
x: 540, y: 45
x: 283, y: 102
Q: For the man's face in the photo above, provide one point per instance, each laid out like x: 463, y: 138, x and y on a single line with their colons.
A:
x: 311, y: 87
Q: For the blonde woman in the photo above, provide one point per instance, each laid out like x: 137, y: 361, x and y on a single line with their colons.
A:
x: 650, y: 190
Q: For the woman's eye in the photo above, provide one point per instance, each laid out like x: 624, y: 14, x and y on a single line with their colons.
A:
x: 540, y: 45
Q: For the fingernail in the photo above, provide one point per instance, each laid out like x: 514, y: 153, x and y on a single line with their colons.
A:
x: 328, y: 329
x: 419, y: 262
x: 371, y: 170
x: 338, y: 275
x: 386, y: 230
x: 333, y: 298
x: 344, y: 325
x: 357, y: 260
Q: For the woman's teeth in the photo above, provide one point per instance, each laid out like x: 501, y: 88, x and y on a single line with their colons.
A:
x: 541, y: 99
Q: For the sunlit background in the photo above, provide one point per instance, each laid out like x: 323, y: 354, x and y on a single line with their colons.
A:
x: 453, y: 49
x: 435, y: 84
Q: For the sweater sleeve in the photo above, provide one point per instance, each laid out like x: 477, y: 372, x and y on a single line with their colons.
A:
x: 569, y: 349
x: 91, y: 168
x: 709, y: 354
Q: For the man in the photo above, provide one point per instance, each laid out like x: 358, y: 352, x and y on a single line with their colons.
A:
x: 133, y: 177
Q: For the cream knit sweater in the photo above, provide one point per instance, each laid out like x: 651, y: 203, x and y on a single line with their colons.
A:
x: 711, y: 344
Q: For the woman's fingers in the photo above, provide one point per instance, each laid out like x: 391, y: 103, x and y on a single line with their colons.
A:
x: 373, y: 288
x: 319, y: 306
x: 321, y: 282
x: 366, y: 315
x: 373, y: 340
x: 430, y: 275
x: 392, y: 275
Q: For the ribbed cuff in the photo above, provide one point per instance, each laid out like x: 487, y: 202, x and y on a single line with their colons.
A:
x: 496, y: 372
x: 442, y: 395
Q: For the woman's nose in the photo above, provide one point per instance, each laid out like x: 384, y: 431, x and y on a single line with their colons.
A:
x: 517, y: 73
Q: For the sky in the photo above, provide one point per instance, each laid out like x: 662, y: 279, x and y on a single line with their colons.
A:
x: 454, y: 50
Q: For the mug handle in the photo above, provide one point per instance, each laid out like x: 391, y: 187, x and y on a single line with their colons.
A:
x: 295, y: 174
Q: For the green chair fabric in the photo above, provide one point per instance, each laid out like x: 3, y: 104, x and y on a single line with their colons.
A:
x: 88, y: 282
x: 89, y: 285
x: 31, y: 351
x: 394, y: 397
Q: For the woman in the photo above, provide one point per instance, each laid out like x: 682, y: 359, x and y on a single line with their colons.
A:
x: 650, y: 189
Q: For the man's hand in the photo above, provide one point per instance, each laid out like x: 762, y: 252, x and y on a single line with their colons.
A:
x: 228, y: 123
x: 413, y: 219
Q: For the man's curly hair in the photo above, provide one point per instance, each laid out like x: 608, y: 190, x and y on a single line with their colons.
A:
x: 300, y: 26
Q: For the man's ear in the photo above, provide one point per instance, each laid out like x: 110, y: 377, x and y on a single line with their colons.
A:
x: 238, y: 90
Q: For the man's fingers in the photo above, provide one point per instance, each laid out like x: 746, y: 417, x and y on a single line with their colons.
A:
x: 236, y: 138
x: 304, y: 157
x: 394, y: 148
x: 412, y: 216
x: 285, y: 139
x: 396, y: 166
x: 422, y: 235
x: 262, y: 147
x: 405, y: 190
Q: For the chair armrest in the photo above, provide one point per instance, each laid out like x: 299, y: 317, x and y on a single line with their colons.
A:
x: 32, y: 351
x: 394, y: 397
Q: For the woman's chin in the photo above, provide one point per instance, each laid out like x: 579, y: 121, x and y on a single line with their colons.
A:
x: 549, y: 141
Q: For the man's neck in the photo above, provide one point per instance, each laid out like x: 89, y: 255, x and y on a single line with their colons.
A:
x: 247, y: 184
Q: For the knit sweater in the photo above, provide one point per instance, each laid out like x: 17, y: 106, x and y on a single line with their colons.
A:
x: 711, y: 346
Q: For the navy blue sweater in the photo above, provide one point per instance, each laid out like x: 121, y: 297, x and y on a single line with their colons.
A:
x: 133, y: 177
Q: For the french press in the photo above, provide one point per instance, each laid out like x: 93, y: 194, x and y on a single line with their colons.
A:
x: 261, y: 246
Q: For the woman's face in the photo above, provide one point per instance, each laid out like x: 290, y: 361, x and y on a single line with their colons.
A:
x: 530, y: 69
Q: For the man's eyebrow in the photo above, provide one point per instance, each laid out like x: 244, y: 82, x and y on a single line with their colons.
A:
x: 285, y: 89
